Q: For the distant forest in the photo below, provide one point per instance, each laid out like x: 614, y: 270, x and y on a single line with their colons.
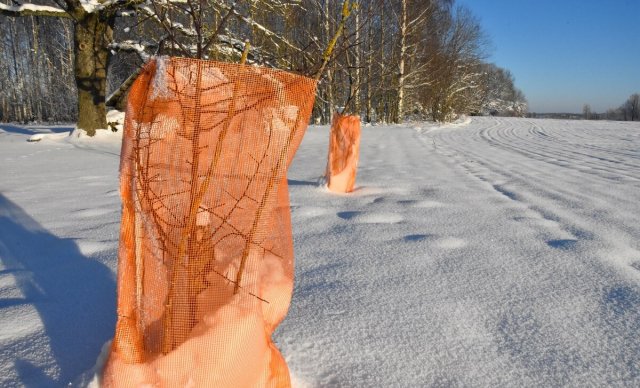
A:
x: 61, y: 61
x: 628, y: 111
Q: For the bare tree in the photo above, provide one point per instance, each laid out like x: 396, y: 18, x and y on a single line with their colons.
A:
x: 498, y: 94
x: 415, y: 17
x: 456, y: 69
x: 586, y: 112
x: 633, y: 107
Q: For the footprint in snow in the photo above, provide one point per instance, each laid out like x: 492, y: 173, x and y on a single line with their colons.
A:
x: 422, y: 204
x: 415, y: 237
x: 370, y: 218
x: 348, y: 214
x: 562, y: 243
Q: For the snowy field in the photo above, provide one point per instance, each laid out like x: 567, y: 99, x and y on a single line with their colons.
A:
x: 500, y: 252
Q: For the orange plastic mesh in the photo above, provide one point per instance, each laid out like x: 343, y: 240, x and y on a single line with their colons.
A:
x: 344, y: 150
x: 205, y: 264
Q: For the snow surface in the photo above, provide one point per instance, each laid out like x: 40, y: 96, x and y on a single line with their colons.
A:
x: 494, y: 252
x: 32, y: 8
x: 91, y: 6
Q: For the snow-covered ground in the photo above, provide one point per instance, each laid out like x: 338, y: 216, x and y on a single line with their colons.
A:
x: 503, y: 252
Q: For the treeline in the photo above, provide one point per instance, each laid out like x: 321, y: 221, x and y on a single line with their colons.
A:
x: 394, y: 58
x: 628, y: 111
x: 36, y: 70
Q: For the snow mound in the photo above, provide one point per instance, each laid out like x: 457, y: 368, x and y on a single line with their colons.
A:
x: 48, y: 136
x: 462, y: 121
x: 104, y: 140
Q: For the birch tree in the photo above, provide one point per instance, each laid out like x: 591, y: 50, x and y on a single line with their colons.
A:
x: 417, y: 20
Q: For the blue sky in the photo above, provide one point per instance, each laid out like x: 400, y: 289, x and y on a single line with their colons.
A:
x: 565, y: 53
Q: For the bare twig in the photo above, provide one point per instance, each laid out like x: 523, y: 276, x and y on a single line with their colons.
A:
x: 347, y: 8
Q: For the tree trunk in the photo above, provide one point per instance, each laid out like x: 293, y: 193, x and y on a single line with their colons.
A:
x: 329, y: 86
x: 92, y: 35
x: 358, y: 51
x: 403, y: 50
x: 369, y: 59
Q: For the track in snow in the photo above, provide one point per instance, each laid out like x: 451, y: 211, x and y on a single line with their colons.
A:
x: 513, y: 258
x: 583, y: 175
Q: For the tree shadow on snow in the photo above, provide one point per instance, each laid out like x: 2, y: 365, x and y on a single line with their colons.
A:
x: 20, y: 130
x: 73, y: 295
x: 293, y: 182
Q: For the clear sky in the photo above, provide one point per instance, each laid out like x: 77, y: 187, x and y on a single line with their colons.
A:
x: 565, y: 53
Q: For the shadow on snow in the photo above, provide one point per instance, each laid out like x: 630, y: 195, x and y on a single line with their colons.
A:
x: 73, y: 295
x: 26, y: 130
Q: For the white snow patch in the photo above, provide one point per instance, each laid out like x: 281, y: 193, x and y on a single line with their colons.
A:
x: 427, y: 204
x: 160, y: 83
x: 18, y: 322
x: 91, y: 5
x: 48, y: 136
x: 310, y: 211
x: 297, y: 382
x: 377, y: 218
x: 115, y: 119
x: 462, y: 121
x: 89, y: 248
x: 451, y: 243
x: 92, y: 378
x: 31, y: 7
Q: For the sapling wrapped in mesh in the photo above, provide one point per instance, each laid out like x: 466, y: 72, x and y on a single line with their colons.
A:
x: 344, y: 151
x: 205, y: 266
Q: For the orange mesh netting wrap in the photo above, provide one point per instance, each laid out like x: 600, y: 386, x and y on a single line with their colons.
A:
x: 344, y: 149
x: 205, y: 264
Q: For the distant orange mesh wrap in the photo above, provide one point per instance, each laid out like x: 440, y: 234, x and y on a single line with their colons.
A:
x: 205, y: 264
x: 344, y: 150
